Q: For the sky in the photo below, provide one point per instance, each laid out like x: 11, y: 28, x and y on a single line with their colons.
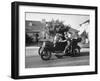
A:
x: 69, y: 19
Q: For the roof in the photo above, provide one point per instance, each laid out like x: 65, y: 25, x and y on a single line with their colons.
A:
x: 84, y: 34
x: 73, y: 30
x: 87, y: 21
x: 33, y: 26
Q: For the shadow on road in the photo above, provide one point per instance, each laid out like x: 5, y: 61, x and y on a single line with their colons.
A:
x: 84, y: 54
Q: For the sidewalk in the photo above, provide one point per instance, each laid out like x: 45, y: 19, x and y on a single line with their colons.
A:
x: 83, y: 45
x: 85, y: 50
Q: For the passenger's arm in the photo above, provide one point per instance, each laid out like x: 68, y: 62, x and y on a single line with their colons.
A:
x: 62, y: 40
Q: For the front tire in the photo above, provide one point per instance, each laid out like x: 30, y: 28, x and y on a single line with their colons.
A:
x: 45, y: 55
x: 39, y: 51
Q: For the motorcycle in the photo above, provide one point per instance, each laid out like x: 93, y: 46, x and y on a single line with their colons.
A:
x: 46, y: 50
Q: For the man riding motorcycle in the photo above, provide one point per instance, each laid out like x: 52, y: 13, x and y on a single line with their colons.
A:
x: 62, y: 39
x: 62, y: 45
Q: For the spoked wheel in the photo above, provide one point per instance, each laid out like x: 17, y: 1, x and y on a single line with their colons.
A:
x: 76, y: 52
x: 45, y: 55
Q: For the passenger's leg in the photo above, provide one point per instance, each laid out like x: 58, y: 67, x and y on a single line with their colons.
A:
x: 68, y: 43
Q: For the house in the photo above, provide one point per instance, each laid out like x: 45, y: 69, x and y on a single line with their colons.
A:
x: 34, y: 29
x: 33, y: 26
x: 84, y: 31
x: 73, y: 32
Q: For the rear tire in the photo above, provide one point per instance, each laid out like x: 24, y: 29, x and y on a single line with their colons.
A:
x: 76, y: 52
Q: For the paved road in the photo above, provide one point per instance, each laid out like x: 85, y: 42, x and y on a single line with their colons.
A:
x: 33, y: 61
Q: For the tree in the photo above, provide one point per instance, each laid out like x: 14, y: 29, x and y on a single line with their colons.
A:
x: 56, y: 26
x: 28, y: 39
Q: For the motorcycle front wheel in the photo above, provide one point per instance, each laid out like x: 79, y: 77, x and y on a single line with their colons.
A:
x: 39, y: 51
x: 45, y: 55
